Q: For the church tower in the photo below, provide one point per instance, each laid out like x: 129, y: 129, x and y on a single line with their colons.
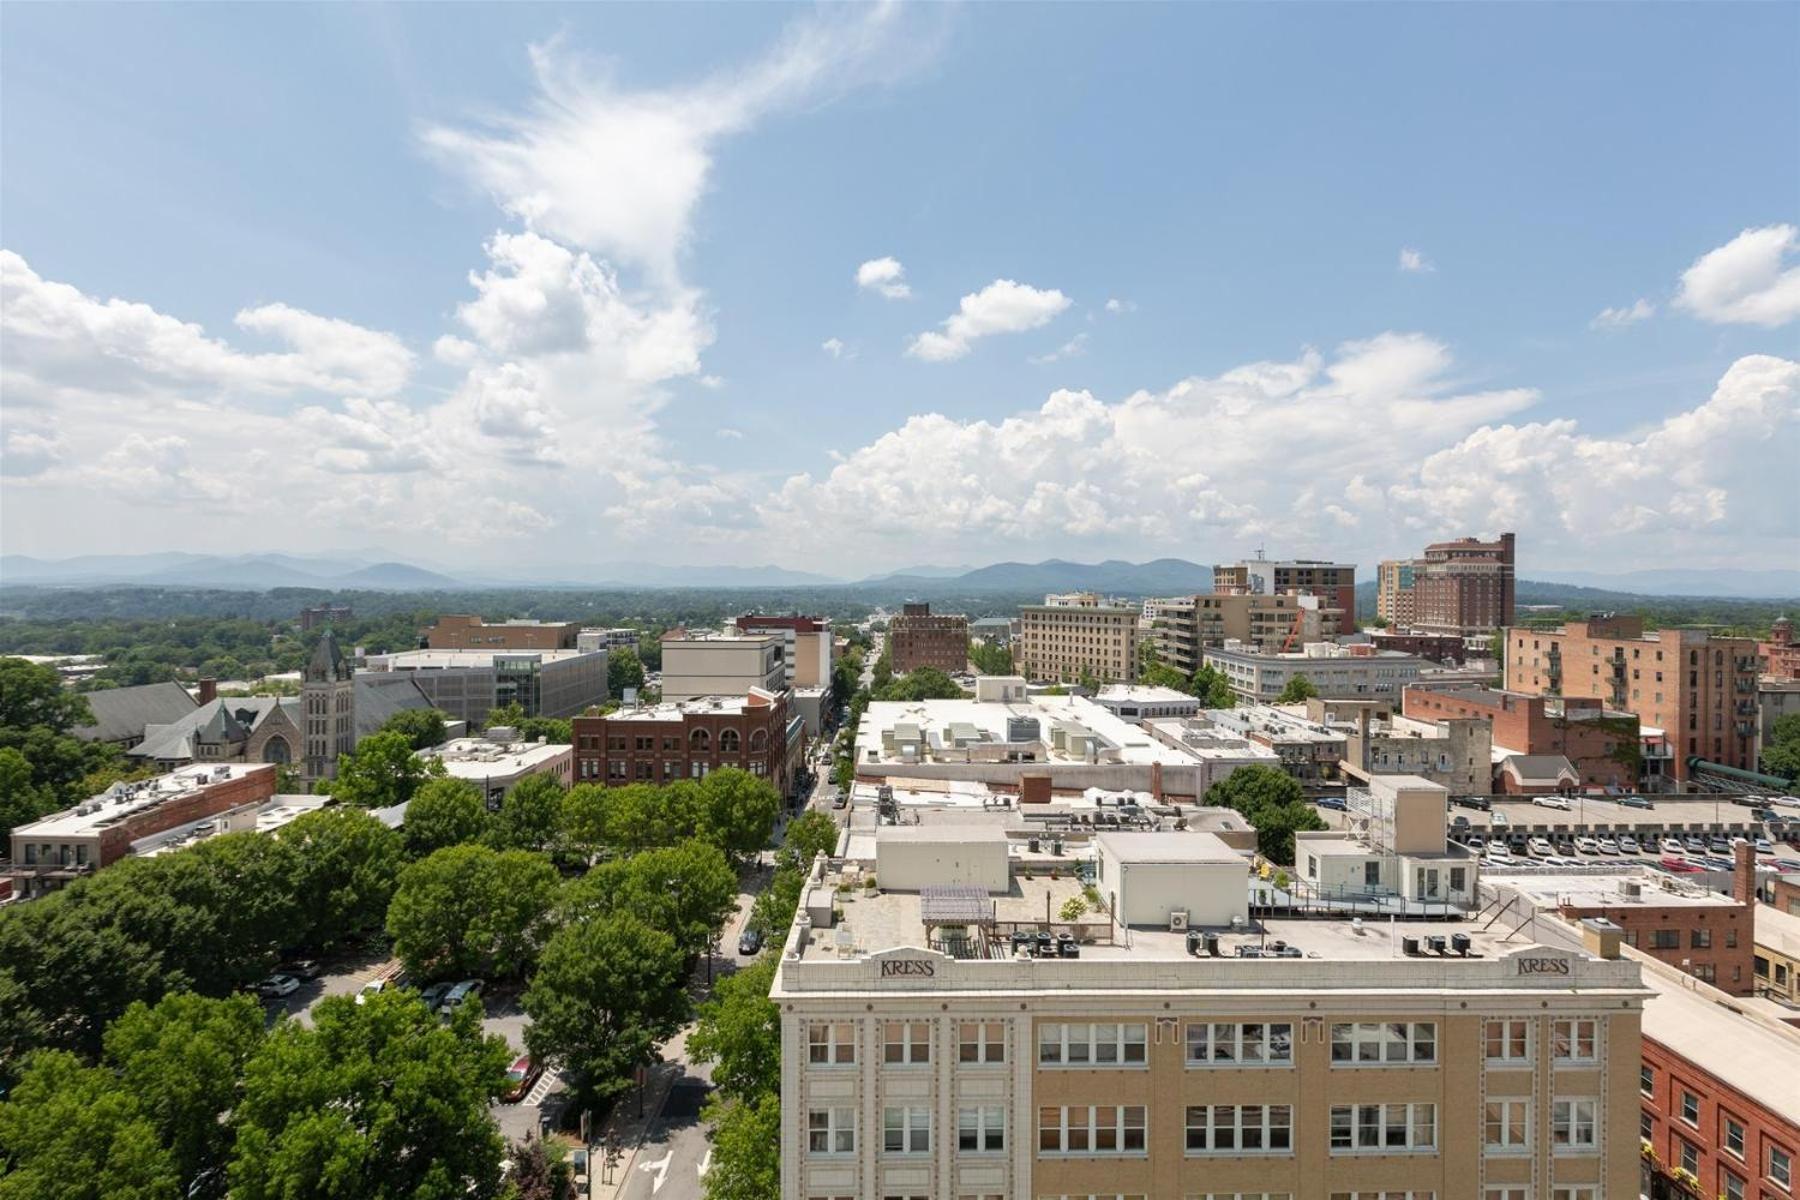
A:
x: 328, y: 707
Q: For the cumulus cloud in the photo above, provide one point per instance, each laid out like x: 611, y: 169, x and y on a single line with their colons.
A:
x: 374, y: 436
x: 1003, y: 306
x: 1414, y: 261
x: 836, y: 348
x: 1619, y: 318
x: 1747, y: 280
x: 1073, y: 348
x: 884, y: 276
x: 1116, y: 305
x: 60, y: 341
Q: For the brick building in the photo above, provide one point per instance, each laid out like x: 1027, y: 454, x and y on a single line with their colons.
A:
x: 806, y: 644
x: 688, y: 739
x: 318, y: 616
x: 919, y: 638
x: 1601, y: 746
x: 1463, y: 587
x: 1335, y: 583
x: 462, y: 632
x: 1780, y: 654
x: 1450, y: 648
x: 1184, y: 627
x: 1699, y: 689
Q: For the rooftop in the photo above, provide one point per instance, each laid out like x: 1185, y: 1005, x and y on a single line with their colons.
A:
x: 442, y: 660
x: 1777, y: 930
x: 266, y: 817
x: 480, y: 757
x: 122, y: 800
x: 1656, y: 889
x: 1184, y: 848
x: 953, y: 730
x: 675, y: 710
x: 1143, y: 694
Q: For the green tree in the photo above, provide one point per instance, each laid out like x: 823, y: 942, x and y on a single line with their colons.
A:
x: 738, y: 1031
x: 530, y: 817
x: 990, y: 658
x: 444, y: 812
x: 686, y: 891
x: 740, y: 811
x: 808, y: 835
x: 584, y: 813
x: 1299, y: 689
x: 1213, y: 688
x: 36, y: 715
x: 346, y: 866
x: 22, y: 799
x: 70, y: 1132
x: 1273, y: 802
x: 376, y: 1101
x: 1781, y: 756
x: 536, y: 1175
x: 422, y: 727
x: 926, y: 683
x: 471, y: 910
x: 381, y: 772
x: 607, y: 991
x: 882, y: 673
x: 624, y: 669
x: 746, y: 1144
x: 33, y: 696
x: 774, y: 907
x: 1162, y: 675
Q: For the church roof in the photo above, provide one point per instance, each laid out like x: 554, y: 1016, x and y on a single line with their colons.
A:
x: 124, y: 713
x: 327, y: 661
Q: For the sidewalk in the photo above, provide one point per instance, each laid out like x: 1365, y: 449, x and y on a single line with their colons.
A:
x: 625, y: 1129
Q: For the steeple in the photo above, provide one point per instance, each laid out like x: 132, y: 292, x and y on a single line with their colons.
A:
x: 328, y: 664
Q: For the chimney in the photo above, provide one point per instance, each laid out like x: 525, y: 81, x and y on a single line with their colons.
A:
x: 1156, y: 781
x: 209, y: 690
x: 1034, y: 788
x: 1743, y: 873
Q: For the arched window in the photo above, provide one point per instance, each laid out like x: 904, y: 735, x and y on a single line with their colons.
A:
x: 699, y: 740
x: 759, y: 741
x: 275, y: 750
x: 729, y: 741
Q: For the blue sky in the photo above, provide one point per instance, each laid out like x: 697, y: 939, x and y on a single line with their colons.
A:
x: 640, y: 225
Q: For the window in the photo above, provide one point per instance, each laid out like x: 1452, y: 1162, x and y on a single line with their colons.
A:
x: 1575, y: 1191
x: 1575, y: 1039
x: 1388, y: 1195
x: 1646, y: 1126
x: 981, y: 1042
x: 830, y: 1043
x: 1689, y: 1155
x: 906, y: 1042
x: 831, y: 1131
x: 1239, y: 1129
x: 1249, y: 1044
x: 1734, y: 1137
x: 1665, y: 939
x: 1096, y: 1045
x: 1506, y: 1191
x: 1092, y: 1129
x: 1781, y: 1166
x: 1730, y: 1186
x: 1393, y: 1042
x: 906, y: 1130
x: 1690, y: 1109
x: 1506, y: 1126
x: 1574, y: 1124
x: 1700, y: 939
x: 1509, y: 1041
x: 1731, y: 938
x: 1647, y: 1079
x: 1383, y: 1127
x: 981, y: 1130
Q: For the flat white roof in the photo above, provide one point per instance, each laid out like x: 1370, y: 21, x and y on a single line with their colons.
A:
x: 1130, y: 742
x: 1144, y: 694
x: 119, y: 801
x: 1184, y: 847
x: 478, y: 758
x: 674, y: 710
x: 429, y: 660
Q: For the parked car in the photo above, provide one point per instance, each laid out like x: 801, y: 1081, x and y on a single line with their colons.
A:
x: 1672, y: 846
x: 1337, y: 804
x: 519, y: 1078
x: 1635, y: 802
x: 1628, y: 844
x: 372, y: 988
x: 1498, y: 853
x: 1539, y: 847
x: 1764, y: 846
x: 1608, y: 846
x: 1679, y: 866
x: 277, y: 985
x: 750, y: 941
x: 1718, y: 845
x: 841, y: 800
x: 1559, y: 802
x: 1587, y: 845
x: 1475, y: 841
x: 305, y: 968
x: 434, y: 994
x: 1694, y: 844
x: 467, y: 989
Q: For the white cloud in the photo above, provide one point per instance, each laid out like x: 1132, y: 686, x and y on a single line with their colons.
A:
x: 1115, y: 305
x: 885, y: 276
x: 1073, y: 348
x: 453, y: 351
x: 1003, y: 306
x: 1619, y: 318
x: 1414, y: 261
x: 712, y: 383
x: 728, y: 433
x: 1744, y: 281
x: 368, y: 436
x: 60, y: 340
x: 836, y: 348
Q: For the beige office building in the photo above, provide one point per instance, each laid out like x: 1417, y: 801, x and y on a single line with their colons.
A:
x: 1185, y: 626
x: 715, y: 664
x: 1078, y: 634
x: 935, y: 1045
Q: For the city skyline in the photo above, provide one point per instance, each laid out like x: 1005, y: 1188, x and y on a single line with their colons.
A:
x: 941, y: 285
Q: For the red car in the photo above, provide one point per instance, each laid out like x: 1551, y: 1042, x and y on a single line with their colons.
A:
x: 520, y: 1076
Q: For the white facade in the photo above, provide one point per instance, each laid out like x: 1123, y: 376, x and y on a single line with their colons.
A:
x: 1147, y: 877
x: 719, y: 665
x: 908, y: 858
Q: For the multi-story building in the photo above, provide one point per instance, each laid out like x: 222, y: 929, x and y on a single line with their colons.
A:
x: 1697, y: 687
x: 466, y: 684
x: 462, y: 632
x: 918, y: 638
x: 1183, y: 627
x: 53, y: 850
x: 996, y: 631
x: 1456, y: 752
x: 496, y: 762
x: 1310, y: 751
x: 1775, y: 699
x: 689, y: 739
x: 618, y: 638
x: 1601, y: 746
x: 1335, y: 583
x: 706, y: 663
x: 1450, y: 648
x: 806, y: 646
x: 1078, y: 635
x: 1777, y: 964
x: 319, y: 616
x: 950, y: 1031
x: 1780, y: 654
x: 1463, y: 587
x: 1336, y: 672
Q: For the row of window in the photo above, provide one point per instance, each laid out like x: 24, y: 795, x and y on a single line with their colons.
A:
x: 1574, y: 1125
x: 1778, y: 1166
x: 1216, y: 1043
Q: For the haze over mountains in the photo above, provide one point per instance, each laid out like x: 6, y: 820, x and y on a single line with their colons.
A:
x: 380, y: 570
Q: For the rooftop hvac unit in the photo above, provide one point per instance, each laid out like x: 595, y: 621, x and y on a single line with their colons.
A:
x: 1631, y: 889
x: 1460, y: 943
x: 1022, y: 729
x: 1438, y: 943
x: 1410, y: 946
x: 1177, y: 920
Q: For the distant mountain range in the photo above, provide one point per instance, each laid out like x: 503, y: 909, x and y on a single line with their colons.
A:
x: 382, y: 570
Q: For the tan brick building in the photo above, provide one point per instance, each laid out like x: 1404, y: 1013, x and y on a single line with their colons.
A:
x: 1078, y: 634
x: 1698, y: 688
x: 917, y: 638
x: 1184, y: 626
x: 1600, y: 744
x: 1334, y: 583
x: 461, y: 632
x: 1463, y: 587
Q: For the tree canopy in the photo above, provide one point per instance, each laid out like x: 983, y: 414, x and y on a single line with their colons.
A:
x: 1781, y: 756
x: 624, y: 669
x: 1298, y: 690
x: 1271, y: 800
x: 381, y: 772
x: 739, y: 1033
x: 422, y: 727
x: 444, y: 812
x: 472, y: 910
